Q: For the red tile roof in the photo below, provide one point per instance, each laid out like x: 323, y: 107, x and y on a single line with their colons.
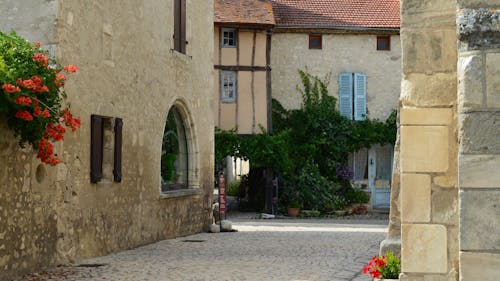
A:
x: 244, y: 12
x: 337, y: 13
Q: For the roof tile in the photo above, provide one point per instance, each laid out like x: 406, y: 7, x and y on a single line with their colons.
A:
x: 244, y: 12
x: 337, y: 13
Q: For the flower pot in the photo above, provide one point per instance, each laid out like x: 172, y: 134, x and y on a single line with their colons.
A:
x: 351, y: 210
x: 293, y: 212
x: 341, y: 213
x: 362, y: 209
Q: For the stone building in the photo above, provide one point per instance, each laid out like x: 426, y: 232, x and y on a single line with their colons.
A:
x: 447, y: 210
x: 356, y: 45
x: 147, y: 66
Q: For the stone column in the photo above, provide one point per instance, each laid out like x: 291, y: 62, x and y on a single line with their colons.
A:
x: 428, y: 152
x: 478, y: 29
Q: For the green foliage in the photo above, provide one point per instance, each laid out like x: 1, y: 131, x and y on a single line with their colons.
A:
x: 392, y: 267
x: 233, y: 188
x: 356, y: 196
x: 308, y: 145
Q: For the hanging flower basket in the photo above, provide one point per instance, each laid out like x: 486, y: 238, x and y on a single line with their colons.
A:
x: 32, y: 97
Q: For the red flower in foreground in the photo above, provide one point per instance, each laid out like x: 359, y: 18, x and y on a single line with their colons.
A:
x: 41, y: 58
x: 46, y: 152
x: 71, y: 68
x: 71, y: 121
x: 24, y: 115
x: 24, y: 101
x: 9, y: 88
x: 39, y: 113
x: 55, y: 132
x: 28, y: 84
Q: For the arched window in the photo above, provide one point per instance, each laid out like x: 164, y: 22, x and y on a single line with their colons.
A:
x: 174, y: 153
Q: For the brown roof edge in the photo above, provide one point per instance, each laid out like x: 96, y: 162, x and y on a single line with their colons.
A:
x: 337, y: 30
x: 245, y: 25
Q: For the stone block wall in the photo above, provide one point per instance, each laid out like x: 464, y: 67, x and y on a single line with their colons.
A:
x: 478, y: 30
x: 428, y: 149
x: 127, y: 69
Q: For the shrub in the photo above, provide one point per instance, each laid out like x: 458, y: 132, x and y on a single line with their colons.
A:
x: 233, y: 188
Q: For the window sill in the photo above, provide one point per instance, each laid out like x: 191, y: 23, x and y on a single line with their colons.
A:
x: 180, y: 193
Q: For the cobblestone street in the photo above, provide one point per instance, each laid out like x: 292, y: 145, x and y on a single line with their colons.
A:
x: 289, y: 250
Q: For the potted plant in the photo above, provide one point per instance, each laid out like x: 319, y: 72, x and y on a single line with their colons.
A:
x: 383, y: 267
x: 293, y: 209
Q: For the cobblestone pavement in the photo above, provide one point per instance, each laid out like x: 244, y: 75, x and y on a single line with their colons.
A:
x: 288, y: 250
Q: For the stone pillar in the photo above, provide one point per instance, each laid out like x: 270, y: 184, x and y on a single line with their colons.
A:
x: 428, y: 150
x: 478, y: 29
x: 393, y: 240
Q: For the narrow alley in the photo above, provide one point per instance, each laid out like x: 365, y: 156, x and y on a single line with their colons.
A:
x: 288, y: 250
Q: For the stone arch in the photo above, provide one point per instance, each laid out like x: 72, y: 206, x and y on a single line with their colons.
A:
x: 179, y: 150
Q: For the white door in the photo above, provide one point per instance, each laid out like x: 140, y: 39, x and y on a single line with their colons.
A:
x: 379, y: 175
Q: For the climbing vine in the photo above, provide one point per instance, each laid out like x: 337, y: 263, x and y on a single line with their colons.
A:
x: 309, y: 145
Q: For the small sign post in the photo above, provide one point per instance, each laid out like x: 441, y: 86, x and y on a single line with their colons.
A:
x: 222, y: 198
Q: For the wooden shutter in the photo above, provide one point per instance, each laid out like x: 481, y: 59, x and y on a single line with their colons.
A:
x: 117, y: 163
x: 359, y: 96
x: 177, y: 25
x: 96, y: 139
x: 182, y: 38
x: 180, y: 26
x: 345, y: 94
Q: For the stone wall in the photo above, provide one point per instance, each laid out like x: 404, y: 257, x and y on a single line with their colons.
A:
x: 478, y: 29
x: 340, y: 53
x: 428, y: 151
x: 52, y: 215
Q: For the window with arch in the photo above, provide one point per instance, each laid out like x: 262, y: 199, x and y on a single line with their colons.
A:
x: 174, y: 154
x: 178, y: 163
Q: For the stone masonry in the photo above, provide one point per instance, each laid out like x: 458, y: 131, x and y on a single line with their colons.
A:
x: 478, y: 30
x: 428, y: 128
x: 127, y: 69
x: 450, y: 116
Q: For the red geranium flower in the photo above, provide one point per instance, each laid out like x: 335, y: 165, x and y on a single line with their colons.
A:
x: 41, y: 58
x: 71, y: 68
x: 24, y: 115
x: 24, y: 101
x: 9, y: 88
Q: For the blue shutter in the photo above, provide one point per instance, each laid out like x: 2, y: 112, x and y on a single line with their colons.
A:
x: 359, y: 96
x: 345, y: 94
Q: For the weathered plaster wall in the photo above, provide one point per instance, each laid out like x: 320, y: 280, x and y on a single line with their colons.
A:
x: 478, y: 30
x: 341, y: 53
x: 28, y: 211
x: 249, y: 110
x: 126, y: 69
x: 428, y: 149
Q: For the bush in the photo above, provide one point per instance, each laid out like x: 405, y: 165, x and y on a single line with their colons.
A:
x: 233, y: 188
x: 356, y: 196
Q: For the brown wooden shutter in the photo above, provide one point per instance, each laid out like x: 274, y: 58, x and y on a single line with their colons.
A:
x: 177, y: 25
x: 96, y: 138
x: 117, y: 166
x: 182, y: 27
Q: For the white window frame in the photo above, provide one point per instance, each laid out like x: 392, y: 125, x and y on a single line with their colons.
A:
x: 225, y: 76
x: 226, y: 44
